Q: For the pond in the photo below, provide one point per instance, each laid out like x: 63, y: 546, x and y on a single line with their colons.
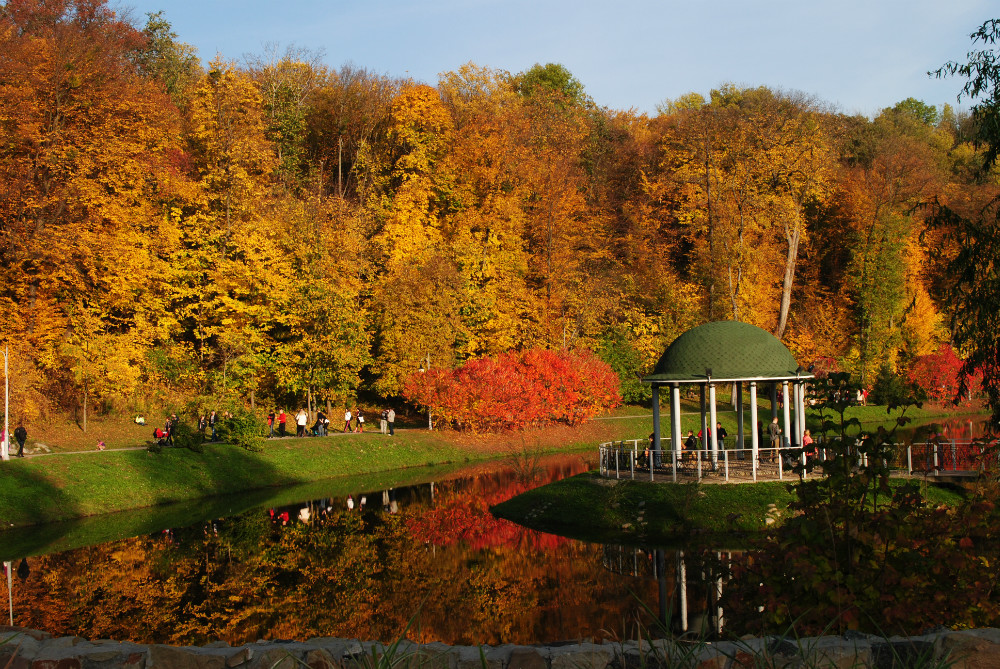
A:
x: 365, y: 564
x: 375, y: 558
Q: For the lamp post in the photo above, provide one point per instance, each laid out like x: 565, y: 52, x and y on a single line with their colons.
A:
x: 430, y: 421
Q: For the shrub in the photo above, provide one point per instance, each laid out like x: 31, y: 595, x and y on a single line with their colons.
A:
x: 244, y: 429
x: 185, y: 436
x: 517, y: 390
x: 889, y: 387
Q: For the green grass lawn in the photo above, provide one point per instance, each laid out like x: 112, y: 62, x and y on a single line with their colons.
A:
x: 592, y: 508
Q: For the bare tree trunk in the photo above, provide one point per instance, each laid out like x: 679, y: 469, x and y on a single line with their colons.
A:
x: 792, y: 236
x: 86, y: 398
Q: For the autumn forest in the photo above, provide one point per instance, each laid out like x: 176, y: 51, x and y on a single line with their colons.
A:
x: 280, y: 230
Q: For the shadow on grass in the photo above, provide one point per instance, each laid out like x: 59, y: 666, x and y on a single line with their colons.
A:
x: 54, y: 537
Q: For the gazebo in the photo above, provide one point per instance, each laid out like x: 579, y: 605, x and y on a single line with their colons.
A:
x: 726, y: 352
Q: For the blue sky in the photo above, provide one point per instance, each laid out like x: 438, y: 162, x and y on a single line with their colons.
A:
x: 857, y: 55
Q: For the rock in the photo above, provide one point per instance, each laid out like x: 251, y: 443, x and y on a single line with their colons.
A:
x: 169, y: 657
x: 318, y: 658
x: 970, y: 650
x: 61, y: 663
x: 135, y: 660
x: 273, y: 658
x: 241, y: 656
x: 436, y: 656
x: 101, y: 656
x: 582, y: 656
x: 12, y: 634
x: 523, y: 657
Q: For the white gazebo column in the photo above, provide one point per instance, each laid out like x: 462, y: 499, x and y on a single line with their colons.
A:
x: 802, y: 407
x: 704, y: 422
x: 787, y: 412
x: 656, y: 429
x: 715, y: 437
x: 802, y: 410
x: 753, y: 426
x: 675, y: 424
x: 800, y: 417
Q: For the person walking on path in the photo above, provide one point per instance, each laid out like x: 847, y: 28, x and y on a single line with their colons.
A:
x: 383, y: 422
x: 282, y: 419
x: 22, y: 436
x: 390, y: 418
x: 270, y: 424
x: 347, y: 420
x: 320, y: 426
x: 361, y: 423
x: 301, y: 418
x: 171, y: 424
x: 213, y: 420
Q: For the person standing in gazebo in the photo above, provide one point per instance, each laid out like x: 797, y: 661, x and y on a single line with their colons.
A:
x: 774, y: 433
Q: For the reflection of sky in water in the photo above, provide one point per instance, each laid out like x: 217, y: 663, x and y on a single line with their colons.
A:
x: 359, y: 565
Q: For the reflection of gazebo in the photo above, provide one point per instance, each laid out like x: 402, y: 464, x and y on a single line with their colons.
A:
x: 727, y: 352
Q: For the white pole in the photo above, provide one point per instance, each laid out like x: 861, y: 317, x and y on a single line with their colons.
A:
x: 786, y: 413
x: 5, y: 450
x: 753, y: 427
x: 712, y: 427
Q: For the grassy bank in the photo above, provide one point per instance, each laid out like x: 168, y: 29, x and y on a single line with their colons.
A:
x: 592, y: 508
x: 73, y: 485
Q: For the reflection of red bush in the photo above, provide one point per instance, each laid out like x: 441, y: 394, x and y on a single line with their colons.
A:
x: 467, y: 519
x: 471, y: 523
x: 518, y: 390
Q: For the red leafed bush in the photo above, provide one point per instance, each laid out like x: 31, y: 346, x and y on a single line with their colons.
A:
x: 939, y: 374
x: 517, y: 390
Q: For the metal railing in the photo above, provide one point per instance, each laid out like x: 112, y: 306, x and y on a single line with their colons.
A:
x: 630, y: 459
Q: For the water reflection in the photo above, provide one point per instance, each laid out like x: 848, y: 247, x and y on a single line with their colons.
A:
x: 689, y: 585
x: 358, y: 564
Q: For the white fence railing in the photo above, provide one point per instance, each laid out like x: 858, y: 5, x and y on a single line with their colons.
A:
x: 632, y: 459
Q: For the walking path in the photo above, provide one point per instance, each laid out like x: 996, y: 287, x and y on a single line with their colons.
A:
x: 91, y: 451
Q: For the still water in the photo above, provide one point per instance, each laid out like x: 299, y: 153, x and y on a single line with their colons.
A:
x: 365, y: 564
x: 363, y: 559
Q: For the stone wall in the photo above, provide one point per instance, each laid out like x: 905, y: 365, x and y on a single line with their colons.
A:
x: 971, y: 649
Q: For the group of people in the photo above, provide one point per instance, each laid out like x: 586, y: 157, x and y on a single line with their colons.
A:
x: 774, y: 434
x: 354, y: 421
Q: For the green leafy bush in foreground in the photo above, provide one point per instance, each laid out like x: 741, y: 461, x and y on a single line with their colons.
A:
x: 243, y: 429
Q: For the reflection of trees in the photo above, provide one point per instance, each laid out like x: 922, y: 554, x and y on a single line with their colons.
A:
x: 342, y: 573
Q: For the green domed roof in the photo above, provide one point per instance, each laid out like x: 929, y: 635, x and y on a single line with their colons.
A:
x: 732, y: 350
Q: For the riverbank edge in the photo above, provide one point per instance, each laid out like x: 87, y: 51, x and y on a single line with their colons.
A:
x: 73, y: 486
x: 589, y: 507
x: 33, y: 649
